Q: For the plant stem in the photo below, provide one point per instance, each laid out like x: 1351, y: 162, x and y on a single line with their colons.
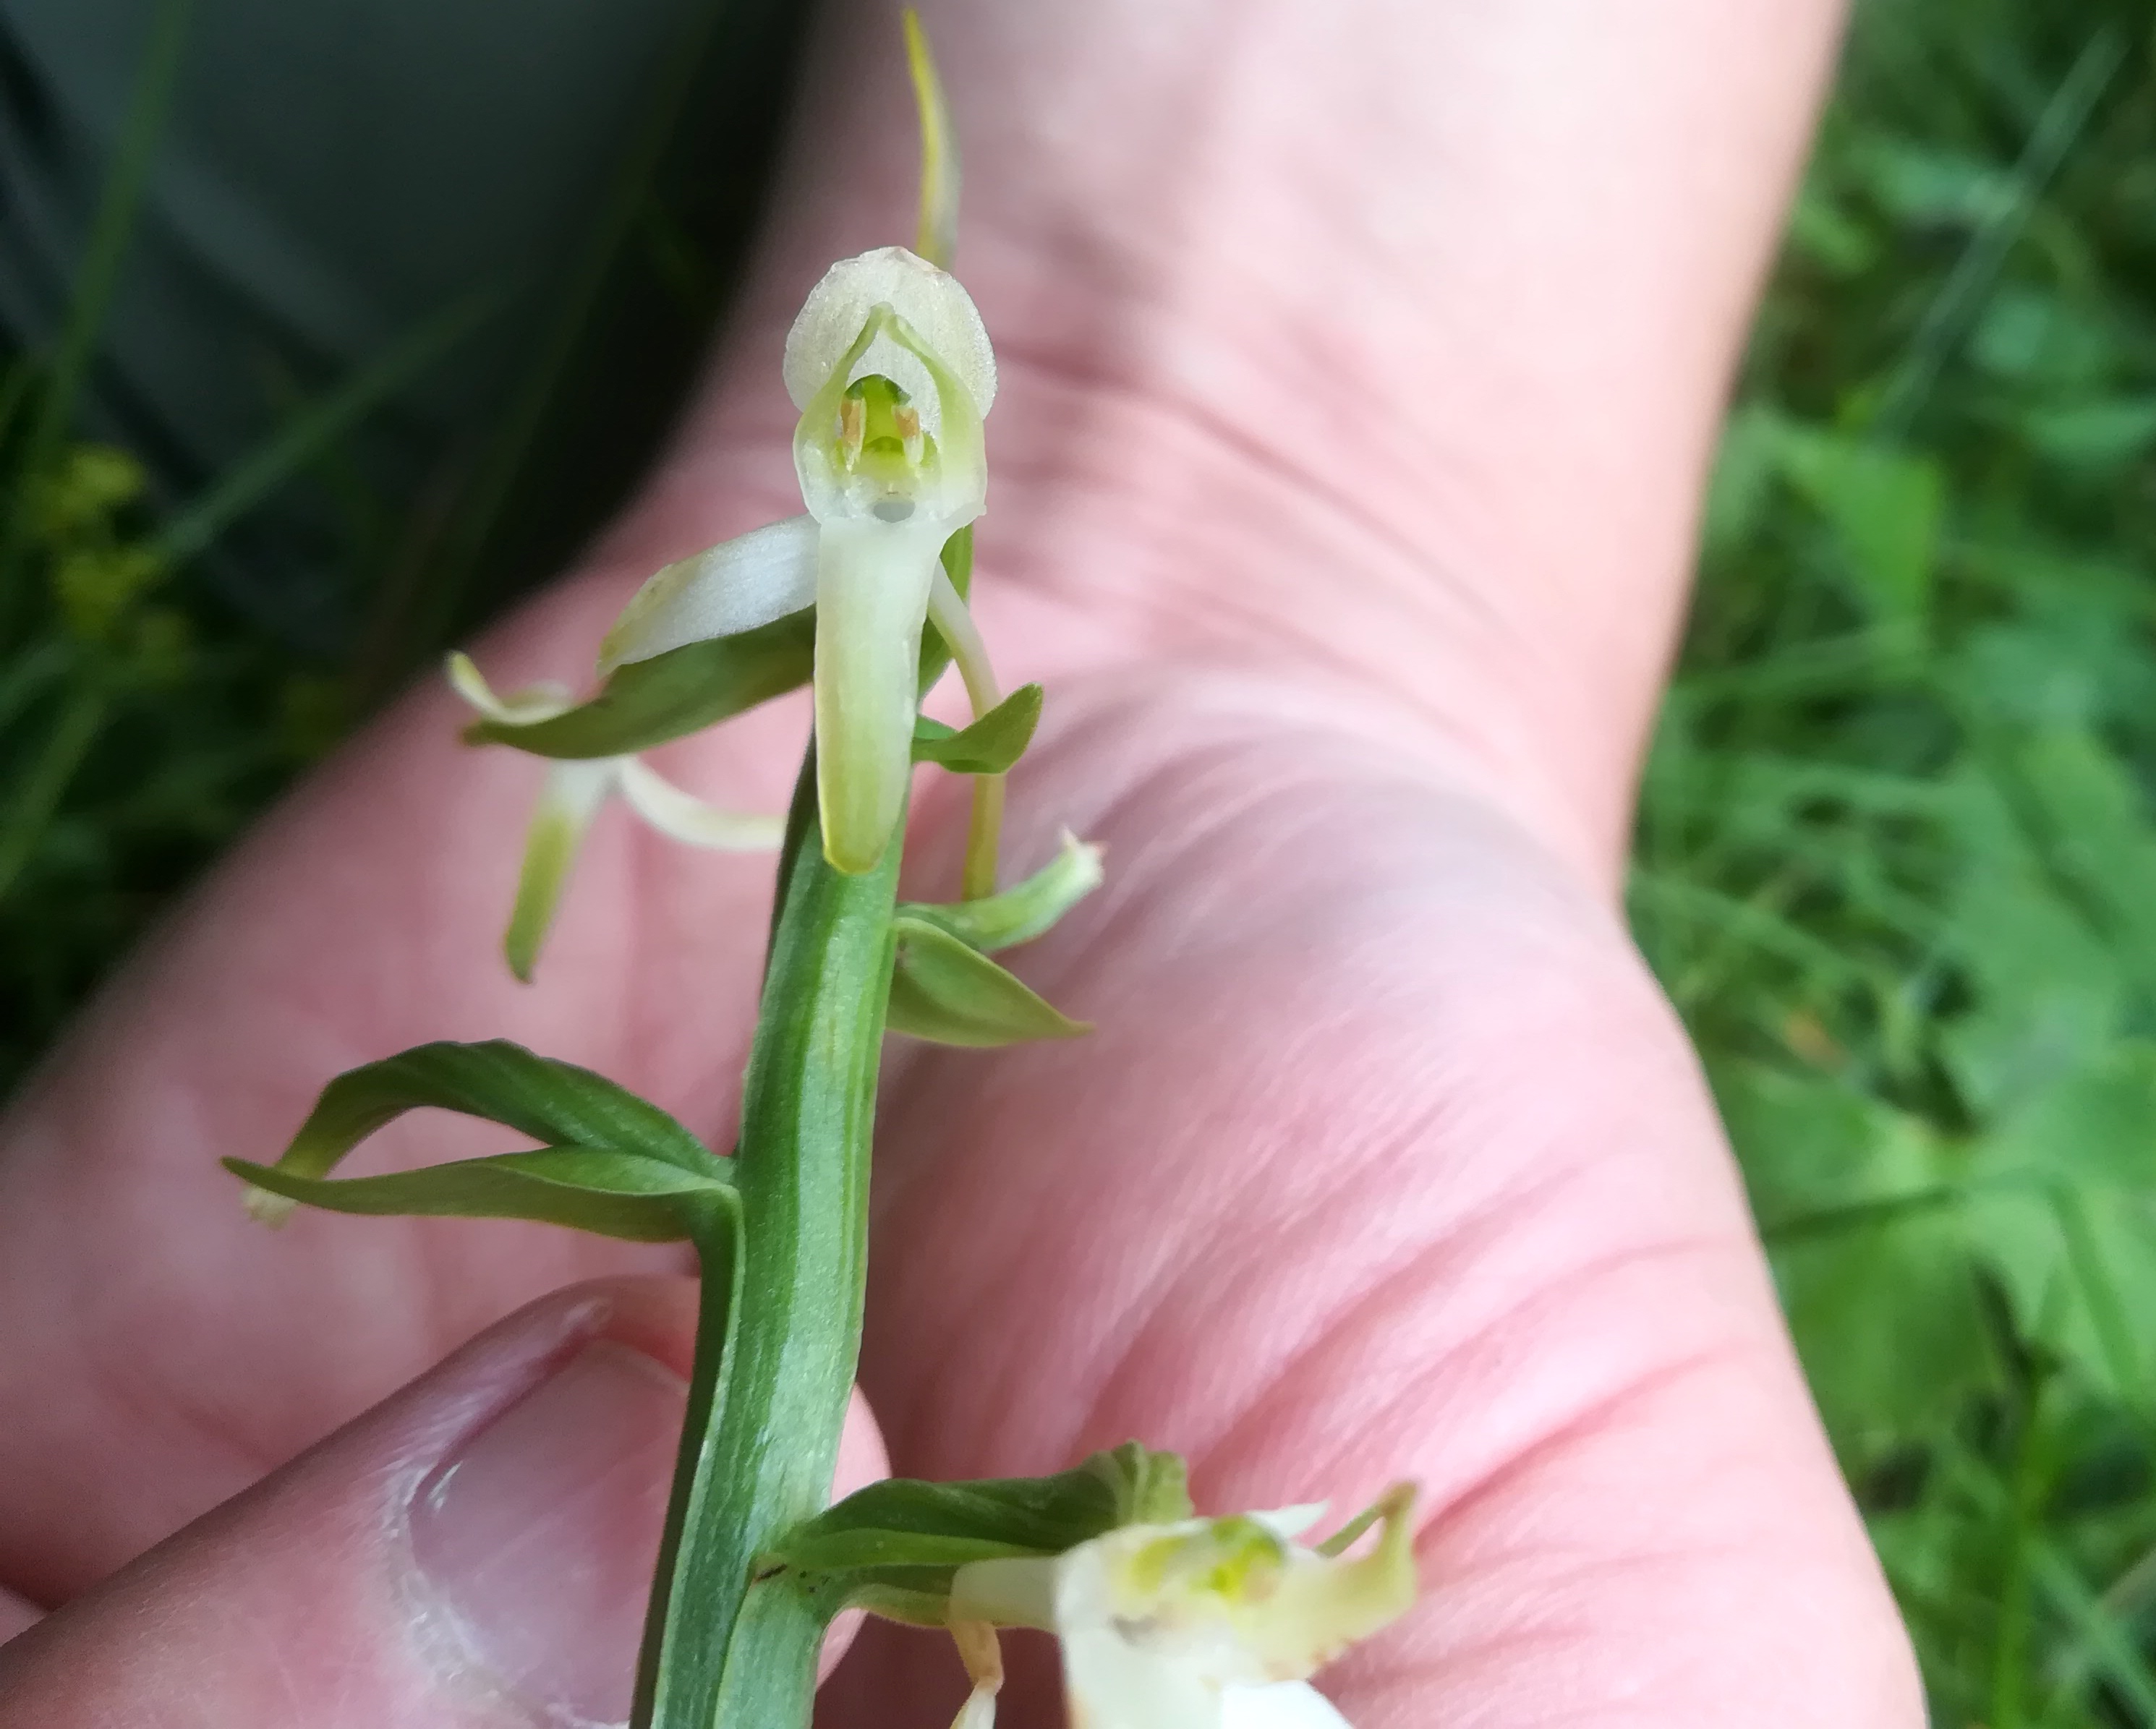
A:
x: 680, y: 1583
x: 984, y: 828
x: 778, y: 1635
x: 759, y: 1457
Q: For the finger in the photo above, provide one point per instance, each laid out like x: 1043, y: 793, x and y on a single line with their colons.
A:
x: 474, y: 1551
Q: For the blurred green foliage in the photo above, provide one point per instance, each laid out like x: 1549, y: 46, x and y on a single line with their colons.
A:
x: 1896, y: 863
x: 148, y: 711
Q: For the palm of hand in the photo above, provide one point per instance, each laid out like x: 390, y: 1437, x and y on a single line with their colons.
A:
x: 1385, y: 1159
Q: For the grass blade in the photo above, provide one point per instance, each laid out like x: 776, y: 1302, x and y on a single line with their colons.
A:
x: 91, y: 297
x: 254, y: 477
x: 30, y: 812
x: 1961, y: 295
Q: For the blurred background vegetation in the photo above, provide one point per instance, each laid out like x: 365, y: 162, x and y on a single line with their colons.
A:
x: 1897, y: 860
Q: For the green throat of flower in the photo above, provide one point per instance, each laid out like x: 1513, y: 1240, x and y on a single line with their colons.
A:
x: 883, y: 452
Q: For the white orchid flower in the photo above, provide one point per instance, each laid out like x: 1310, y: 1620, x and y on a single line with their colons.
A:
x: 1207, y: 1623
x: 892, y: 371
x: 574, y: 791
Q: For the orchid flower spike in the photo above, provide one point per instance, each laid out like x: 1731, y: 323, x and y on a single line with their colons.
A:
x: 575, y: 790
x: 1207, y: 1623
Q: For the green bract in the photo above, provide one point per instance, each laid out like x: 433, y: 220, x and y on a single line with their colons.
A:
x: 944, y: 990
x: 895, y: 1546
x: 646, y: 703
x: 991, y: 745
x: 1021, y: 913
x: 612, y: 1164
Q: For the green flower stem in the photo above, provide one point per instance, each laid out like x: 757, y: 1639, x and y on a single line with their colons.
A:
x: 679, y: 1655
x: 984, y: 829
x: 758, y: 1455
x: 771, y: 1681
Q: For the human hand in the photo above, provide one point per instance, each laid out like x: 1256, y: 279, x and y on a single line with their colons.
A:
x: 1386, y: 1158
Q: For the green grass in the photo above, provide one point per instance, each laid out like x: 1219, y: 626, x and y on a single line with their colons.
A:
x: 1897, y: 861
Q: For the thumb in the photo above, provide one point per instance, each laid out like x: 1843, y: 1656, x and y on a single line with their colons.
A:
x: 474, y: 1551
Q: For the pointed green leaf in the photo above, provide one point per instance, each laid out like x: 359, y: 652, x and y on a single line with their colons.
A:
x: 552, y: 1101
x: 903, y: 1524
x: 603, y: 1140
x: 944, y: 991
x: 615, y: 1194
x: 990, y: 746
x: 1021, y: 913
x: 671, y: 695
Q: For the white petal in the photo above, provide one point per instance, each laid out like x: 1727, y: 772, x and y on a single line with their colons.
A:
x: 1012, y: 1590
x: 535, y: 702
x: 735, y: 586
x: 1116, y: 1683
x: 872, y: 583
x: 1287, y: 1705
x: 688, y: 820
x: 1289, y: 1523
x: 926, y: 298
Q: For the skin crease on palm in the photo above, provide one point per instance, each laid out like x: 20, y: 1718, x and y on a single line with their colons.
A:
x: 1360, y: 366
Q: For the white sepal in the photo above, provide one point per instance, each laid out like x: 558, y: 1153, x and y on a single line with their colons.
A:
x: 930, y: 299
x: 740, y: 584
x: 1286, y: 1705
x: 521, y: 708
x: 570, y: 799
x: 1285, y: 1523
x: 684, y: 818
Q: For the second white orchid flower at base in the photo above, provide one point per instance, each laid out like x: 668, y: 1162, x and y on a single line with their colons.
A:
x: 1204, y: 1623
